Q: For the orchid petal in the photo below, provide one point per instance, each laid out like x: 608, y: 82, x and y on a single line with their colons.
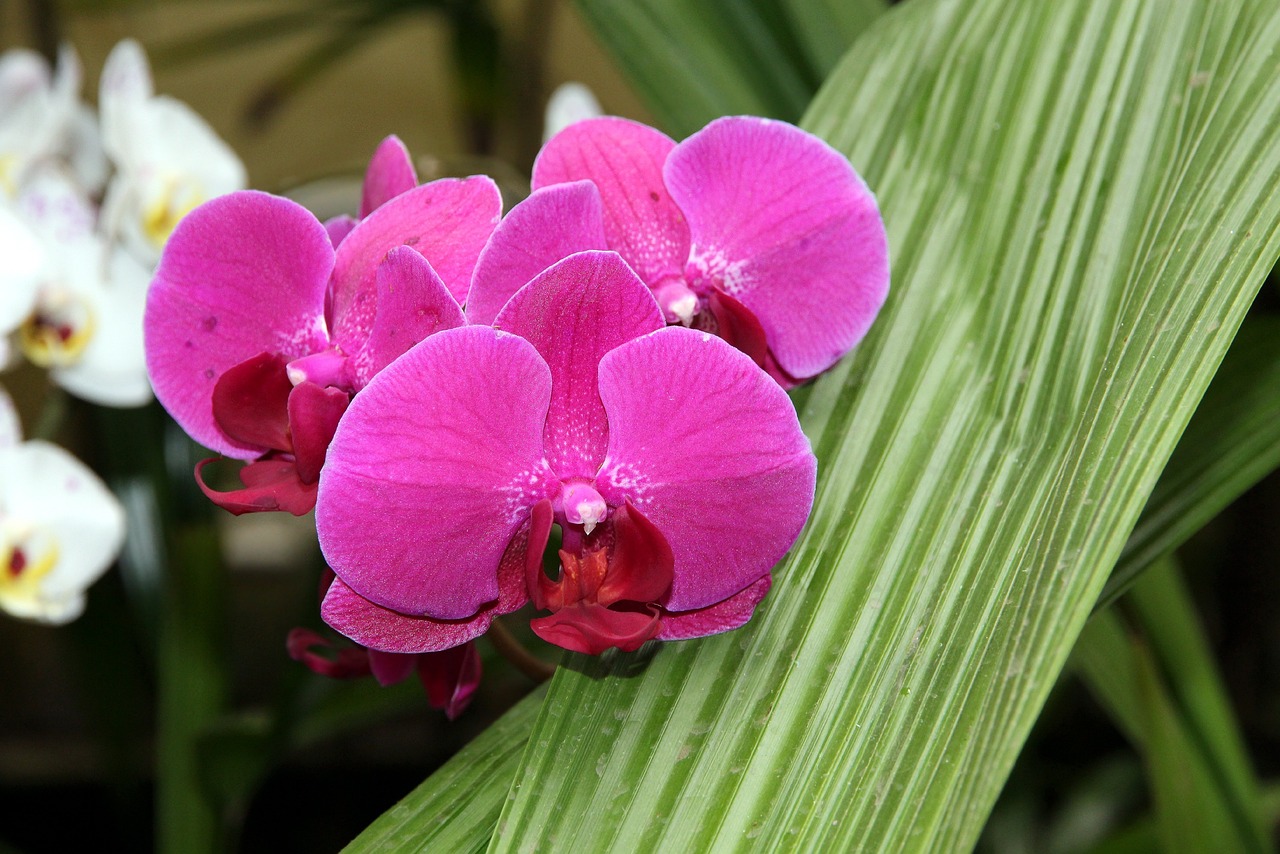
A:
x: 723, y: 616
x: 446, y: 221
x: 55, y: 208
x: 23, y: 73
x: 323, y: 657
x: 10, y: 429
x: 23, y: 255
x: 553, y: 223
x: 270, y: 484
x: 123, y: 89
x: 736, y: 324
x: 780, y: 221
x: 444, y: 447
x: 339, y: 227
x: 390, y: 668
x: 251, y: 400
x: 412, y: 303
x: 712, y: 455
x: 450, y: 678
x: 383, y: 629
x: 314, y: 413
x: 573, y: 314
x: 624, y: 160
x: 243, y: 274
x: 570, y: 103
x: 390, y: 173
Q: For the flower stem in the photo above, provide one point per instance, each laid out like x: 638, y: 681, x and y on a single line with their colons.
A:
x: 513, y: 651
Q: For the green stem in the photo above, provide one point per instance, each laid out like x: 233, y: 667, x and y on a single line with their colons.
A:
x: 192, y: 689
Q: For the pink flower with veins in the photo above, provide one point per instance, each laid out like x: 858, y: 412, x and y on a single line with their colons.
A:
x: 674, y: 466
x: 259, y: 328
x: 751, y: 228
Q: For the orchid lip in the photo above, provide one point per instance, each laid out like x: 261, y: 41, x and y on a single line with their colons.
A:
x: 26, y: 556
x: 59, y: 330
x: 583, y: 505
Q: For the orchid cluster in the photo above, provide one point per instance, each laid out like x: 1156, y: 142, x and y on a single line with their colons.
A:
x: 86, y: 205
x: 446, y: 385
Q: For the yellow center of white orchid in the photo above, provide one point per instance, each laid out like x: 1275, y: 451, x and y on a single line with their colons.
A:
x: 26, y: 556
x: 167, y: 209
x: 58, y: 330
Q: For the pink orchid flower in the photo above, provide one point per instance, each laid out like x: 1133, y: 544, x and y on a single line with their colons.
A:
x: 259, y: 329
x: 674, y: 466
x: 751, y: 228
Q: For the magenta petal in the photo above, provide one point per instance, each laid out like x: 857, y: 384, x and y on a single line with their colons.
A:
x: 781, y: 222
x: 624, y: 159
x: 313, y: 417
x: 712, y: 455
x: 412, y: 304
x: 447, y: 221
x: 390, y: 668
x: 551, y: 224
x: 339, y: 227
x: 450, y: 678
x: 433, y: 469
x: 242, y: 274
x: 390, y: 631
x: 269, y: 484
x: 324, y: 658
x: 390, y: 173
x: 723, y: 616
x: 574, y: 313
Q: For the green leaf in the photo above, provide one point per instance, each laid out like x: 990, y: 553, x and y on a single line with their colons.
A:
x: 826, y: 28
x: 695, y: 60
x: 457, y: 808
x: 1163, y: 607
x: 1232, y: 442
x: 1190, y: 814
x: 1161, y: 687
x: 1082, y: 200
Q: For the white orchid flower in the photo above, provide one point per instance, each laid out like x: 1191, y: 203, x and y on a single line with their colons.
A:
x: 60, y: 527
x: 42, y: 119
x: 168, y: 160
x: 86, y: 323
x: 570, y: 102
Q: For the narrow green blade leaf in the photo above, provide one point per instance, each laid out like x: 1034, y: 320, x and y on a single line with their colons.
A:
x: 695, y: 60
x: 826, y: 28
x: 1163, y: 606
x: 1190, y: 814
x: 1103, y: 658
x: 1082, y: 199
x: 1162, y: 689
x: 457, y: 808
x: 1232, y: 442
